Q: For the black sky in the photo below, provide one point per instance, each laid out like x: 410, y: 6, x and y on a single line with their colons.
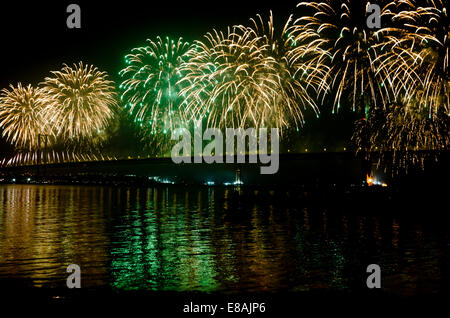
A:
x: 35, y: 38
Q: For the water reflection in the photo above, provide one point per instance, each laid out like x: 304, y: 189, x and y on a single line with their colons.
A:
x: 163, y: 243
x: 208, y: 239
x: 43, y: 229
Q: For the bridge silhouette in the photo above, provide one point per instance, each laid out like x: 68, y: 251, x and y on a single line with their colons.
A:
x: 309, y: 168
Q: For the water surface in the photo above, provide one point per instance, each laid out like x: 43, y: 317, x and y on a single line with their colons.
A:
x: 211, y: 239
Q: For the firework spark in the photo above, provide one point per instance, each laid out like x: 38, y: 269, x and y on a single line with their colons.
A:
x: 52, y: 157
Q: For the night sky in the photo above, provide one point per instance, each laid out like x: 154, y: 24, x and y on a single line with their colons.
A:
x: 35, y: 40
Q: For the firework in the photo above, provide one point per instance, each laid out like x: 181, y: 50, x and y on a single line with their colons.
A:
x: 83, y: 102
x: 151, y: 89
x: 427, y: 29
x: 21, y: 115
x: 296, y: 79
x: 244, y: 77
x: 358, y: 59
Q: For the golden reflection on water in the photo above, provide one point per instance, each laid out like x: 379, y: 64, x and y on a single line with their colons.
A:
x: 204, y: 239
x: 44, y: 229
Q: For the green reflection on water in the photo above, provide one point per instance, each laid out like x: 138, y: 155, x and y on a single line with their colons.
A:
x: 165, y: 248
